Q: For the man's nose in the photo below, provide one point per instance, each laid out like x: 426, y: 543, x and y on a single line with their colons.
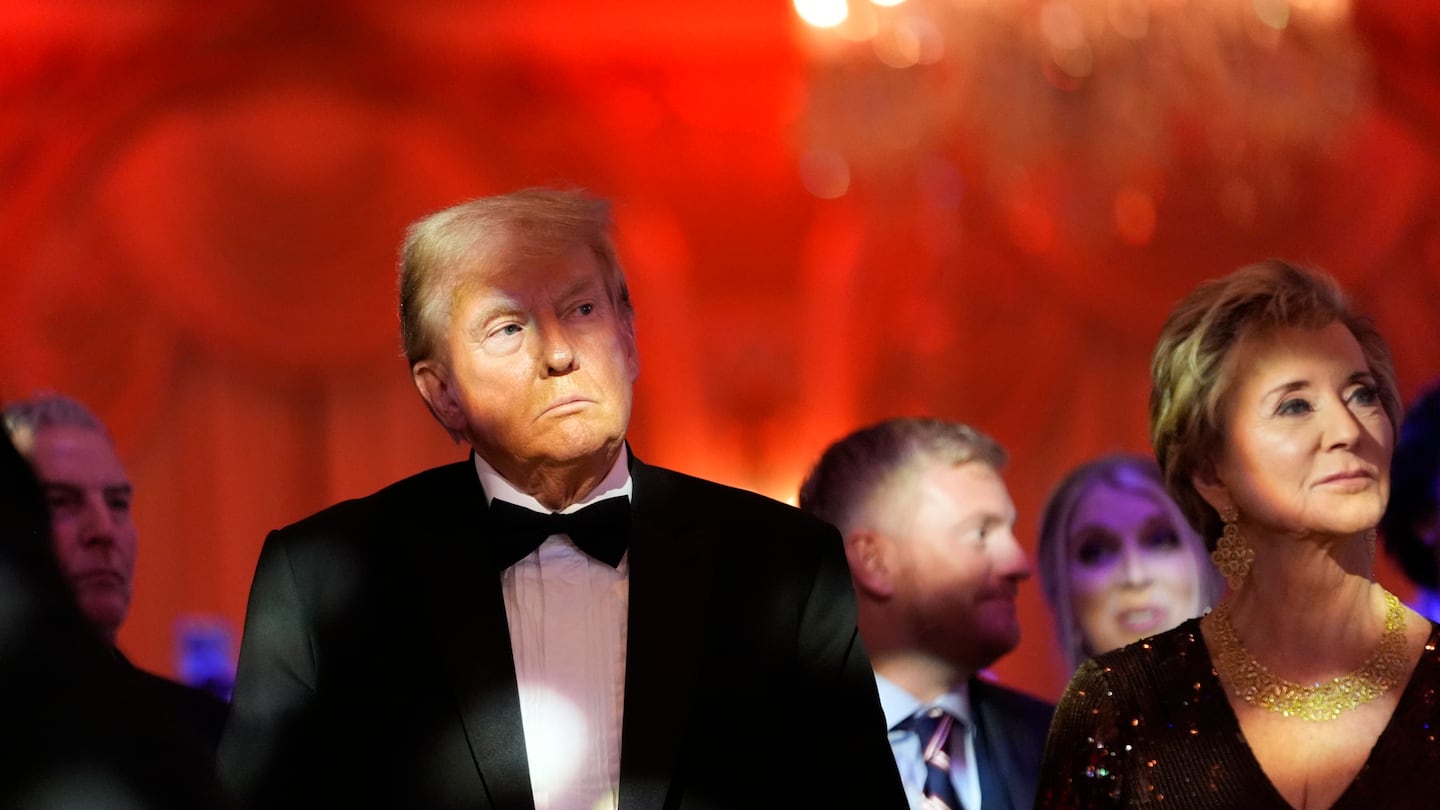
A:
x: 557, y: 347
x: 1012, y: 560
x: 97, y: 522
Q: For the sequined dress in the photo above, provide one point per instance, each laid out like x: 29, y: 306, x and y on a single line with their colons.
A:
x: 1149, y: 726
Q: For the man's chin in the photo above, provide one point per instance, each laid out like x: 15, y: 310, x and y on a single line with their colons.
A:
x: 105, y: 613
x: 583, y: 445
x: 1002, y: 643
x: 574, y: 445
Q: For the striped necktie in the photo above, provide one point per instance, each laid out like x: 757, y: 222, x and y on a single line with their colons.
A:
x: 933, y: 728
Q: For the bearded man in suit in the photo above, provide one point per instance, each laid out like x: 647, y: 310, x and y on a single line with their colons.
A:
x: 448, y: 641
x: 929, y: 532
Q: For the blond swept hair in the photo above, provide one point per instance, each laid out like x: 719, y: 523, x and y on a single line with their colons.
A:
x: 441, y: 249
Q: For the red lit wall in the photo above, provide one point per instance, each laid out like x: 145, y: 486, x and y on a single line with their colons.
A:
x: 203, y: 201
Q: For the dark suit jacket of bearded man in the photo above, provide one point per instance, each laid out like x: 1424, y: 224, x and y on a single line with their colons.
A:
x: 376, y: 668
x: 1010, y: 732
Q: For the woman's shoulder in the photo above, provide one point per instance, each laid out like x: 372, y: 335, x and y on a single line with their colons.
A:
x: 1180, y: 647
x: 1152, y: 669
x: 1427, y: 670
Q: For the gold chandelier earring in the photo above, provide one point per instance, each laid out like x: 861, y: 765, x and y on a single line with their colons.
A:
x: 1232, y: 555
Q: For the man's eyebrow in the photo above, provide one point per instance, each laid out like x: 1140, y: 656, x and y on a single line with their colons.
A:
x: 59, y: 487
x: 67, y: 488
x: 499, y: 307
x: 583, y: 285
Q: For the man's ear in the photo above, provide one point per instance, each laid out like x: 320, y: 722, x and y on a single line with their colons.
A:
x: 632, y: 355
x: 1206, y: 481
x: 867, y: 552
x: 432, y: 380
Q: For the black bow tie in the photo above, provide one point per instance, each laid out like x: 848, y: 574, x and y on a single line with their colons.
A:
x: 601, y: 530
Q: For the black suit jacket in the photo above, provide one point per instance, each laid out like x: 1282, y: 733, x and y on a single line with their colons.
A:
x: 75, y: 731
x: 193, y: 710
x: 1010, y: 742
x: 375, y: 667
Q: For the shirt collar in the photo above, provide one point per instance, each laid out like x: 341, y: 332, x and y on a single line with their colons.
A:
x: 899, y: 705
x: 616, y: 483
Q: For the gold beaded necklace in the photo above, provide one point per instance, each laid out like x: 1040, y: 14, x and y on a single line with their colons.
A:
x: 1250, y: 681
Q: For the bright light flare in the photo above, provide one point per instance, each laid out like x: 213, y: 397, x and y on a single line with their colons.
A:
x: 822, y: 13
x: 556, y: 750
x: 1274, y: 13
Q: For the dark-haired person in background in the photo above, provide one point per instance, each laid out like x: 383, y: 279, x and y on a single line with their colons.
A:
x: 1411, y: 526
x: 77, y: 731
x: 89, y: 495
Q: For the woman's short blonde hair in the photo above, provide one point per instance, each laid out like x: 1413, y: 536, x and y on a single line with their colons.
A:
x: 1190, y: 377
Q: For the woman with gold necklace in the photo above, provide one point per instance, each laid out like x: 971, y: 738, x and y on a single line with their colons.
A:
x: 1273, y: 414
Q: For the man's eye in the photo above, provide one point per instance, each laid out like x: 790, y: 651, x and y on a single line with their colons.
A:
x: 62, y: 504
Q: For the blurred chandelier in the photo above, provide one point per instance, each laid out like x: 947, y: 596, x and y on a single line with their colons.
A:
x: 1110, y: 93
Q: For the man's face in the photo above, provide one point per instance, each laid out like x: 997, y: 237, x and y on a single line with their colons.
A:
x: 537, y: 365
x: 957, y: 566
x: 88, y: 495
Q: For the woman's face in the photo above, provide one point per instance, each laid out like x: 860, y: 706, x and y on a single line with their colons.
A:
x: 1131, y: 574
x: 1308, y: 444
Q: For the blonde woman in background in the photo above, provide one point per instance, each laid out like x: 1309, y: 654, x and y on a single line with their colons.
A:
x: 1117, y: 560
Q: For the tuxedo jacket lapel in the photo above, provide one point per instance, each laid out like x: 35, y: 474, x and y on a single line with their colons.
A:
x: 671, y: 572
x: 460, y: 588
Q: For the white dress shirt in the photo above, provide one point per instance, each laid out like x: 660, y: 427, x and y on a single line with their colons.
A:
x: 899, y: 706
x: 567, y: 614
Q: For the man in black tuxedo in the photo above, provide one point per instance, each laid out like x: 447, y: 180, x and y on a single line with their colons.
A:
x: 667, y: 643
x: 88, y: 494
x: 928, y: 528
